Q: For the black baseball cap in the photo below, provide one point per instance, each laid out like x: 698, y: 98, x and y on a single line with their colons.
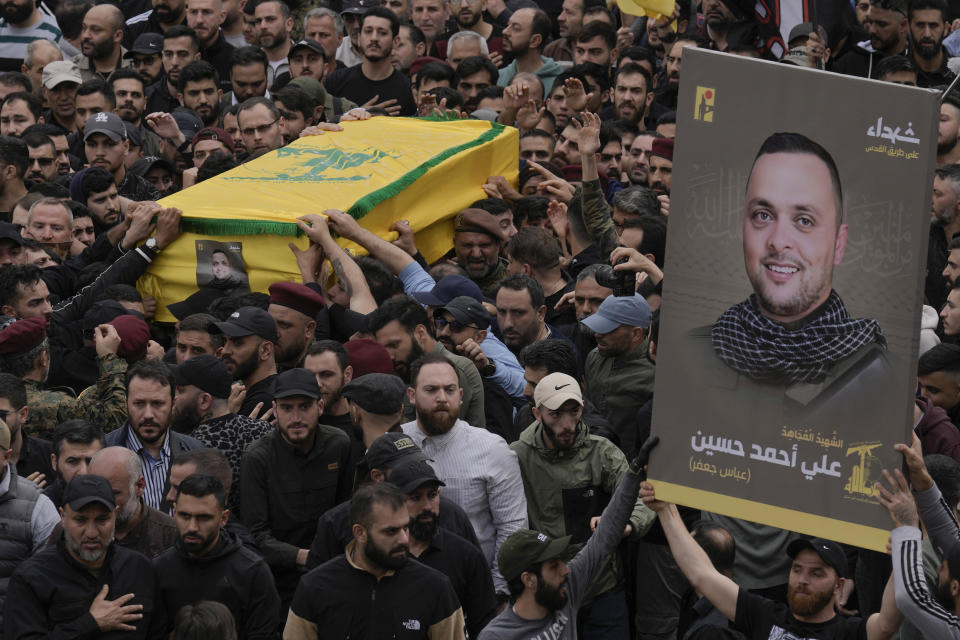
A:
x: 466, y: 310
x: 448, y: 288
x: 311, y: 44
x: 389, y: 448
x: 87, y: 489
x: 249, y: 321
x: 207, y: 373
x: 378, y: 393
x: 525, y: 548
x: 146, y: 43
x: 9, y: 231
x: 410, y: 473
x: 830, y: 552
x: 296, y: 382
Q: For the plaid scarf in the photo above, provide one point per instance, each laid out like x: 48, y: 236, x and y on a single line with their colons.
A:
x: 758, y: 347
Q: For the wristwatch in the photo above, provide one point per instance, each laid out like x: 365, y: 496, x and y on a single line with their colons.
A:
x: 488, y: 370
x: 151, y: 243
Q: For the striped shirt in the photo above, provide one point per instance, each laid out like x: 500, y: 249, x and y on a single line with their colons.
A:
x: 481, y: 475
x: 154, y: 471
x: 14, y: 41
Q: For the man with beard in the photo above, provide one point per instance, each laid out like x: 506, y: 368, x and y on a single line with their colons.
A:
x: 375, y: 75
x: 164, y: 15
x: 22, y: 23
x: 99, y: 192
x: 717, y: 22
x: 100, y: 36
x: 74, y: 444
x: 928, y: 26
x: 524, y: 38
x: 150, y: 390
x: 106, y: 144
x: 469, y: 17
x: 55, y: 591
x: 131, y: 94
x: 294, y: 308
x: 889, y: 35
x: 817, y: 576
x: 250, y: 341
x: 568, y: 477
x: 261, y: 126
x: 61, y: 79
x: 632, y: 93
x: 146, y: 56
x: 43, y: 156
x: 480, y: 471
x: 180, y: 48
x: 140, y: 527
x: 207, y: 562
x: 200, y: 409
x: 545, y: 590
x: 198, y: 88
x: 273, y: 26
x: 330, y: 363
x: 477, y: 240
x: 521, y: 313
x: 666, y: 93
x: 944, y: 226
x: 568, y: 22
x: 636, y: 163
x: 403, y: 327
x: 291, y: 476
x: 375, y: 568
x: 661, y: 166
x: 205, y: 18
x: 430, y: 16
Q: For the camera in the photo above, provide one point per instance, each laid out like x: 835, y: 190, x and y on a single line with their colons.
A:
x: 623, y: 282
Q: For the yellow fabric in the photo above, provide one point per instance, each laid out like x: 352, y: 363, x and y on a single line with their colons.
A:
x: 403, y: 158
x: 652, y: 8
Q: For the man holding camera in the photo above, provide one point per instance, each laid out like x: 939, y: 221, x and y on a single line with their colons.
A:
x: 619, y: 372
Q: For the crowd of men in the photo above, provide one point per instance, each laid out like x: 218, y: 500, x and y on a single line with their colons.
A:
x: 391, y: 448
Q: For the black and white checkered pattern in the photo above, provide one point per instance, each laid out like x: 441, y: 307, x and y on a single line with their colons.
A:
x: 758, y: 347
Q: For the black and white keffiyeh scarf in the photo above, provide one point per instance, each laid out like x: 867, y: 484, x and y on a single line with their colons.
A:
x: 758, y: 347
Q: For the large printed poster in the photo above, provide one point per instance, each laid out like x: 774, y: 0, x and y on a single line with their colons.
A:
x: 790, y: 318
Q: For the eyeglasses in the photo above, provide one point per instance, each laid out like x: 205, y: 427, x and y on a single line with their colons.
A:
x: 43, y: 162
x: 262, y: 129
x: 453, y: 324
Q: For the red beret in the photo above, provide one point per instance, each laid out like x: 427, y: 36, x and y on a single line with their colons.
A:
x: 134, y: 336
x: 213, y: 133
x: 418, y: 64
x: 572, y: 173
x: 368, y: 356
x: 23, y: 335
x: 663, y: 147
x: 479, y: 221
x: 298, y: 297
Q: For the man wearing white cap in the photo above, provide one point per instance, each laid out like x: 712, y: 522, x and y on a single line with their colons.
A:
x: 569, y: 475
x: 619, y: 371
x: 60, y: 81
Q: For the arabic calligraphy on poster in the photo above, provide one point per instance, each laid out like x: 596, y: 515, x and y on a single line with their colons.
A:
x: 886, y: 132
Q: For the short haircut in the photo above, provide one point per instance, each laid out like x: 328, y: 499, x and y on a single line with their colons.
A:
x: 535, y: 246
x: 248, y: 55
x: 77, y: 431
x: 370, y: 494
x: 386, y: 14
x: 667, y: 117
x: 337, y: 348
x: 945, y: 472
x: 494, y: 206
x: 469, y: 35
x: 552, y: 354
x: 921, y: 5
x: 542, y: 25
x: 632, y: 68
x: 34, y: 105
x: 284, y: 7
x: 216, y: 163
x: 152, y: 370
x: 96, y: 85
x: 36, y: 140
x: 51, y: 130
x: 14, y: 151
x: 121, y: 293
x: 635, y: 53
x: 250, y: 103
x: 624, y: 127
x: 654, y: 240
x: 942, y: 357
x: 320, y: 12
x: 520, y: 282
x: 475, y: 64
x: 637, y: 200
x: 183, y: 31
x: 32, y: 51
x: 531, y: 209
x: 204, y: 620
x: 950, y: 173
x: 52, y: 190
x: 197, y: 71
x: 454, y: 100
x: 125, y: 73
x: 381, y: 281
x: 95, y: 180
x: 201, y: 485
x: 52, y: 202
x: 12, y: 277
x: 895, y: 64
x: 69, y: 14
x: 785, y: 142
x: 296, y: 99
x: 203, y: 322
x: 14, y: 390
x: 431, y: 358
x: 600, y: 9
x: 404, y: 309
x: 594, y: 28
x: 416, y: 34
x: 20, y: 364
x: 595, y: 71
x: 211, y: 461
x: 719, y: 545
x: 436, y: 71
x: 561, y: 80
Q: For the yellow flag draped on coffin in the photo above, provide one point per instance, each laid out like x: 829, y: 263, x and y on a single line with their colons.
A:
x: 378, y: 170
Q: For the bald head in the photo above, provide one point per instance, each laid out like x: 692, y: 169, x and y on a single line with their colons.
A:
x: 117, y: 462
x: 106, y: 14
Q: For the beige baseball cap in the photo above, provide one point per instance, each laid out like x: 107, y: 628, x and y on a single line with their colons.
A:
x: 555, y: 389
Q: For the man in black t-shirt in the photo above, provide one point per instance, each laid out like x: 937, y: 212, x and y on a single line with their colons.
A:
x: 375, y: 76
x: 816, y: 580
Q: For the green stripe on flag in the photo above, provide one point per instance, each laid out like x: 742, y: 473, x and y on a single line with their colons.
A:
x: 220, y: 227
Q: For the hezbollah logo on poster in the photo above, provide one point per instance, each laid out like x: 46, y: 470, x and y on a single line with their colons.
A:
x: 238, y: 225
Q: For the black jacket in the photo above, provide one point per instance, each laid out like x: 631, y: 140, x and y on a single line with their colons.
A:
x: 230, y: 574
x: 50, y: 596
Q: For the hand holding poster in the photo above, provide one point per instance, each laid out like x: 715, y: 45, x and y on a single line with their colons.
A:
x: 790, y: 315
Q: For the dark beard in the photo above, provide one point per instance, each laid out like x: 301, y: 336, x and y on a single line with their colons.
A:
x: 815, y: 605
x: 425, y: 530
x: 548, y: 597
x: 15, y: 14
x: 944, y: 597
x: 927, y: 49
x: 165, y: 15
x: 403, y: 368
x: 437, y: 426
x: 185, y: 420
x: 214, y: 116
x: 248, y: 366
x: 385, y: 560
x: 946, y: 147
x: 197, y: 547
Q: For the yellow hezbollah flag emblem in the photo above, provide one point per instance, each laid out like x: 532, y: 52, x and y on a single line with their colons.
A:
x: 704, y: 104
x: 238, y: 225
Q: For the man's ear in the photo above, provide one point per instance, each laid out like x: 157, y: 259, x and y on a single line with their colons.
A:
x: 347, y: 374
x: 536, y: 413
x: 542, y: 311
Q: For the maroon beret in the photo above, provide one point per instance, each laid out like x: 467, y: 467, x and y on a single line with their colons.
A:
x: 479, y: 221
x: 418, y: 64
x: 298, y: 297
x: 663, y: 147
x: 134, y: 336
x: 213, y: 133
x: 23, y: 335
x: 368, y: 356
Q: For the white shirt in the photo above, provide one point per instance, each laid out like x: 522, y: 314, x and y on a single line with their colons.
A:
x: 481, y: 475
